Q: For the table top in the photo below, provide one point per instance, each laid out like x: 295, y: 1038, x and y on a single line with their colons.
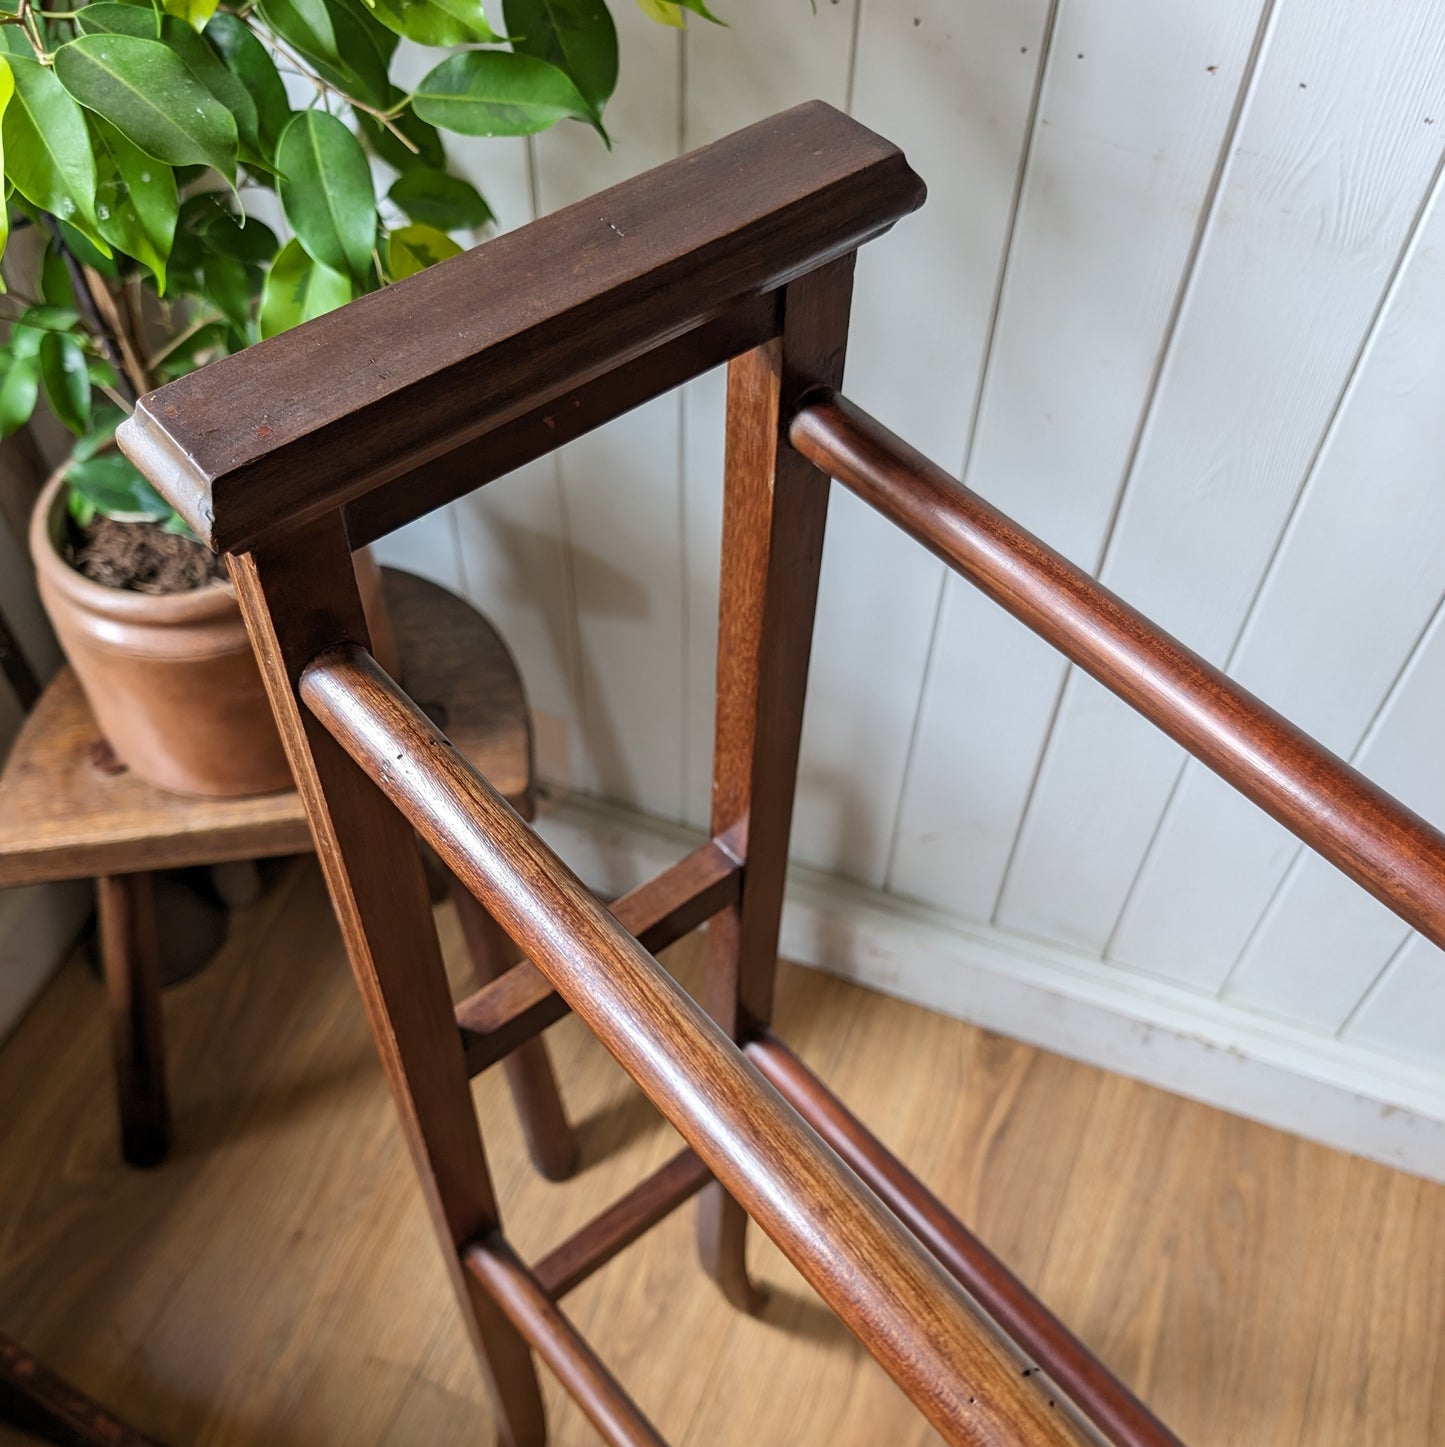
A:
x: 65, y: 813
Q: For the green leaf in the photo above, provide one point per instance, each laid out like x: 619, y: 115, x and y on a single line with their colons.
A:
x: 665, y: 12
x: 101, y: 430
x: 67, y: 385
x: 362, y: 66
x: 47, y: 150
x: 326, y: 192
x: 86, y: 252
x: 251, y: 241
x: 297, y: 289
x: 136, y: 200
x: 577, y: 36
x: 228, y: 289
x: 497, y: 93
x: 111, y: 17
x: 414, y: 248
x: 195, y: 13
x: 429, y: 149
x: 19, y: 390
x: 252, y: 64
x: 305, y: 23
x: 110, y: 484
x: 187, y: 355
x: 7, y: 90
x: 698, y: 8
x: 435, y: 22
x: 434, y: 198
x: 35, y: 322
x: 151, y: 96
x: 55, y: 285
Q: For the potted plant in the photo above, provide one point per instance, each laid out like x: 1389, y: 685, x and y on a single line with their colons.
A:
x: 138, y: 138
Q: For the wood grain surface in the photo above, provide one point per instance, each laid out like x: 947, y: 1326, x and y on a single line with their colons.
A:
x: 66, y: 811
x: 908, y: 1312
x: 1371, y: 836
x: 574, y: 295
x: 1288, y: 1294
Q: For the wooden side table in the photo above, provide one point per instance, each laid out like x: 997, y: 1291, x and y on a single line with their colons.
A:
x: 67, y: 811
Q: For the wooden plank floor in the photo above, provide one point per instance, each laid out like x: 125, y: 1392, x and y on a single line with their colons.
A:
x: 275, y: 1282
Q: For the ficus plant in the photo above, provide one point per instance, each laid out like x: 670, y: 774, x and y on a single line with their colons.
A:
x: 135, y: 134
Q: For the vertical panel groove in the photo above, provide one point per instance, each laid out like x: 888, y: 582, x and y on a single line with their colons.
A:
x: 1375, y: 985
x: 1377, y: 721
x: 1030, y: 130
x: 1171, y: 331
x: 1367, y: 342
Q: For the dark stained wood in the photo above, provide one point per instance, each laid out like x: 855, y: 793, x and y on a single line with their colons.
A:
x: 130, y: 957
x: 658, y: 913
x: 538, y: 432
x: 533, y: 1312
x: 775, y: 507
x: 64, y: 816
x: 1105, y: 1400
x: 550, y: 1141
x: 893, y: 1295
x: 297, y: 599
x: 613, y: 1230
x: 313, y: 419
x: 34, y: 1399
x: 1372, y: 837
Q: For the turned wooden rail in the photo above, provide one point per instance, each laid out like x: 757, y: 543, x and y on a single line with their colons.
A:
x: 290, y: 454
x: 876, y: 1276
x: 1334, y: 809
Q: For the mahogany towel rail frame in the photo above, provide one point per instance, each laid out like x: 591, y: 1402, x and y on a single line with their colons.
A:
x: 286, y: 456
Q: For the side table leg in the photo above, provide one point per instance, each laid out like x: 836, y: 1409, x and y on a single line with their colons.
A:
x: 130, y: 957
x: 550, y: 1141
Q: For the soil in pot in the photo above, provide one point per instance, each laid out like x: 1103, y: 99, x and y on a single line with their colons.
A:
x: 170, y: 676
x: 141, y: 556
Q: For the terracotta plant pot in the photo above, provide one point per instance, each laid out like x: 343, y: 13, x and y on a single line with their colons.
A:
x: 171, y: 677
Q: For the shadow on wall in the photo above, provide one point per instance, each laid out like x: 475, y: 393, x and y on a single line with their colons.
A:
x: 522, y: 566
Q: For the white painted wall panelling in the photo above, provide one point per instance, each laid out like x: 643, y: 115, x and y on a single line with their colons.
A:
x: 1323, y: 942
x: 1149, y: 277
x: 1357, y: 576
x: 620, y: 484
x: 1136, y: 104
x: 1324, y: 187
x: 769, y: 58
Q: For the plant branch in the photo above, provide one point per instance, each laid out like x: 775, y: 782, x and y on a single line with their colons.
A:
x: 181, y: 338
x: 101, y: 321
x: 385, y: 118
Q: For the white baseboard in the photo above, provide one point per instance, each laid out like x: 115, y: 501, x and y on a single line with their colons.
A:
x: 1345, y: 1096
x: 38, y: 925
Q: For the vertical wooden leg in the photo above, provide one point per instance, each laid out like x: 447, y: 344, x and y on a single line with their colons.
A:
x: 550, y: 1142
x: 129, y: 955
x: 775, y: 506
x: 297, y: 598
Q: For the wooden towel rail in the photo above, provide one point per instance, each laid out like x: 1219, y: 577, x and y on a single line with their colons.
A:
x: 286, y: 456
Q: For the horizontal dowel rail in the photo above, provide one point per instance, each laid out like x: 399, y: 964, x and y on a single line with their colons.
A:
x: 510, y: 1010
x: 1371, y: 836
x: 650, y: 1201
x: 910, y: 1314
x: 1094, y: 1389
x: 533, y: 1312
x: 318, y: 417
